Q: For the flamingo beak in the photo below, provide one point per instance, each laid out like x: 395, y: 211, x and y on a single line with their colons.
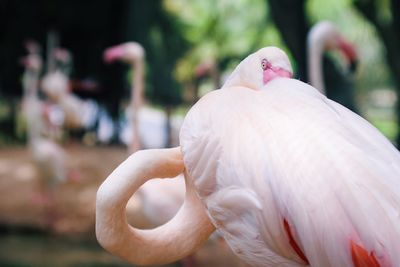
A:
x: 349, y: 53
x: 113, y: 53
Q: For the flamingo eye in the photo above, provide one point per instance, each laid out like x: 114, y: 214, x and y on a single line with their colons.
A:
x: 265, y: 64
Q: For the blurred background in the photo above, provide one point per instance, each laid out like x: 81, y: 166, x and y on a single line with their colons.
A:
x: 67, y: 118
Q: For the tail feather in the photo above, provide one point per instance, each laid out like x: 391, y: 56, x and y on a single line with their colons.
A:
x: 293, y: 242
x: 361, y: 257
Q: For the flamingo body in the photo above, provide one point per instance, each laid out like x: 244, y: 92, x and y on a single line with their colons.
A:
x: 288, y: 178
x: 151, y: 126
x: 161, y: 199
x: 78, y: 113
x: 300, y: 178
x: 48, y: 156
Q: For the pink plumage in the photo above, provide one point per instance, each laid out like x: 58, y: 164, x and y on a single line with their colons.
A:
x: 281, y: 154
x: 288, y: 177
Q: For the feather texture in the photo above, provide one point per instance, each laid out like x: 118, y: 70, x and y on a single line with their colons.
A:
x: 286, y: 153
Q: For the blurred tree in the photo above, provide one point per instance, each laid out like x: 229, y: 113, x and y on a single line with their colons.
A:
x: 291, y: 19
x: 385, y: 16
x: 219, y: 33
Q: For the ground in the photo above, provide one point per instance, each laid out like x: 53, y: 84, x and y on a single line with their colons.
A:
x: 72, y: 214
x: 74, y: 201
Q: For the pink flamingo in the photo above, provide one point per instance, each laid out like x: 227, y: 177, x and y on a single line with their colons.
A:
x: 48, y: 156
x: 161, y: 199
x: 132, y: 53
x: 78, y: 113
x: 287, y: 176
x: 147, y: 127
x: 325, y: 36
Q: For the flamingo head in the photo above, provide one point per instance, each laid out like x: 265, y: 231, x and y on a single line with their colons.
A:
x: 32, y: 61
x: 329, y: 37
x: 129, y: 52
x: 62, y: 55
x: 261, y: 67
x: 349, y: 53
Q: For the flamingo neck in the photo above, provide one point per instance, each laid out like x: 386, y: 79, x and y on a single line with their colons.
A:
x: 172, y: 241
x: 315, y: 49
x: 137, y: 99
x: 137, y: 89
x: 52, y: 43
x: 30, y: 83
x: 32, y: 105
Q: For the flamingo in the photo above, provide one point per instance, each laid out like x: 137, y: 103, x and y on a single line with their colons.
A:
x: 325, y: 36
x: 147, y: 125
x: 78, y: 113
x: 287, y: 176
x: 161, y: 199
x: 132, y: 53
x: 48, y: 155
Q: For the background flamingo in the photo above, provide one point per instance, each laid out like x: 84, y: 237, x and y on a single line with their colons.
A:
x: 160, y: 199
x: 325, y: 36
x: 78, y: 113
x: 48, y: 156
x: 146, y: 125
x: 294, y: 180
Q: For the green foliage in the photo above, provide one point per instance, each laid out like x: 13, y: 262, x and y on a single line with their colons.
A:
x: 387, y: 127
x: 220, y: 31
x: 373, y: 71
x: 384, y: 14
x: 158, y: 32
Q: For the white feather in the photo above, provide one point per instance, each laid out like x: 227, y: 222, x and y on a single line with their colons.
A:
x: 304, y: 159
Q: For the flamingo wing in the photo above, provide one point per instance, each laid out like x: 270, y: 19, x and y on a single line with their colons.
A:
x: 291, y: 178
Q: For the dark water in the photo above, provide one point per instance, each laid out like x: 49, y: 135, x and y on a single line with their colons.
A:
x: 35, y: 250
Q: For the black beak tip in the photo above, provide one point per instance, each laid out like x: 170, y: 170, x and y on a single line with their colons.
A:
x: 353, y: 66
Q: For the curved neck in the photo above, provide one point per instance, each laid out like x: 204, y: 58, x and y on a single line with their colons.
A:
x: 170, y: 242
x: 315, y: 49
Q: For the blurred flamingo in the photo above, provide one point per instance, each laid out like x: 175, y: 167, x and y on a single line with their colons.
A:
x: 325, y: 36
x: 161, y: 199
x: 147, y: 125
x: 48, y: 156
x: 56, y: 86
x: 287, y: 176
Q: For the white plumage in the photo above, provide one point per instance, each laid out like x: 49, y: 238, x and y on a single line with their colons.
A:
x: 161, y: 199
x: 78, y: 113
x: 293, y: 154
